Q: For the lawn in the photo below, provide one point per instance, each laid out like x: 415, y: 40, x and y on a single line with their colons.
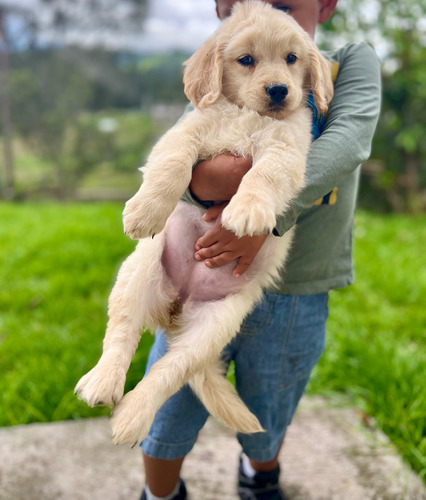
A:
x: 376, y: 348
x: 58, y: 265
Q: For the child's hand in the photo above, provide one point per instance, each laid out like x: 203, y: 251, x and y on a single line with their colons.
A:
x: 218, y: 246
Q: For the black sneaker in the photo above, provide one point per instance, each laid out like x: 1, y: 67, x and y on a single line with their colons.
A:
x: 263, y: 486
x: 180, y: 495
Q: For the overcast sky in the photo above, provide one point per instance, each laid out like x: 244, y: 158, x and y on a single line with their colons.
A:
x: 170, y: 25
x: 183, y: 24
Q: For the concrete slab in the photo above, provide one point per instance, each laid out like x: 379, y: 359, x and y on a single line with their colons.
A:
x: 328, y: 455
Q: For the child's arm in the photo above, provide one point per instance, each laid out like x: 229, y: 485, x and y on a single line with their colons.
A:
x: 346, y: 140
x: 218, y: 179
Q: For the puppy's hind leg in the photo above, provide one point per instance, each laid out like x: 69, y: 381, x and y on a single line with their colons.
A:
x: 221, y: 400
x: 205, y: 330
x: 141, y: 295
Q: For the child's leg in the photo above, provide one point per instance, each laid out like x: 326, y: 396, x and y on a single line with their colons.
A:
x: 279, y: 345
x: 172, y: 434
x: 267, y: 465
x: 178, y: 422
x: 161, y: 475
x: 174, y: 431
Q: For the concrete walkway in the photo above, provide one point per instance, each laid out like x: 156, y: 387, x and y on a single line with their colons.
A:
x: 329, y: 454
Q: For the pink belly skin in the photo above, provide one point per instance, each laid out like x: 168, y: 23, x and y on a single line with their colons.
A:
x: 193, y: 279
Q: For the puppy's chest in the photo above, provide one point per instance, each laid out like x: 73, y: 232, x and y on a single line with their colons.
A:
x: 239, y: 133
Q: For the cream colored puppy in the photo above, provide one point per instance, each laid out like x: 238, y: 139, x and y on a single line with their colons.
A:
x: 249, y: 83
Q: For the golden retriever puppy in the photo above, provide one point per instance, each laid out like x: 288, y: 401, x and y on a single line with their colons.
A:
x: 249, y: 83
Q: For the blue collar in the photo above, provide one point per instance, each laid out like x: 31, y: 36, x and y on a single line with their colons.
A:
x: 318, y: 119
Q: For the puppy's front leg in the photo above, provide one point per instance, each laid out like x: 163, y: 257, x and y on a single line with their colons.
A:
x: 165, y: 177
x: 265, y: 191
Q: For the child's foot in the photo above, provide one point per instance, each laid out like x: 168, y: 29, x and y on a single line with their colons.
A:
x: 262, y: 486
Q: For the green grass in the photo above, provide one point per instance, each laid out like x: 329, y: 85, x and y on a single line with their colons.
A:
x: 58, y: 266
x: 377, y: 332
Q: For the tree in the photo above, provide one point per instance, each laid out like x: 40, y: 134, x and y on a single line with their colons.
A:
x: 398, y: 32
x: 5, y: 112
x: 46, y: 104
x: 56, y: 23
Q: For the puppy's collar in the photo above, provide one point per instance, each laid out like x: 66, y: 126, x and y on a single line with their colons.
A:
x: 318, y: 119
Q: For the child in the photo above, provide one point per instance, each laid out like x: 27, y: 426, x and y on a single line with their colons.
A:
x: 282, y: 340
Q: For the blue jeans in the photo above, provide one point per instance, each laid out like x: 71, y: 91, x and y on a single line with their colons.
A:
x: 274, y: 354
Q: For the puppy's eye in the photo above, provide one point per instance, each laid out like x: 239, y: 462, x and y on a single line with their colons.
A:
x: 291, y: 59
x: 246, y: 61
x: 283, y: 8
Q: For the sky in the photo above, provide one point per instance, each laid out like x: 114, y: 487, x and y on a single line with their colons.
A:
x: 170, y: 25
x: 183, y: 24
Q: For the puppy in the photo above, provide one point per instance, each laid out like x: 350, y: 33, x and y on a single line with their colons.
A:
x: 249, y: 83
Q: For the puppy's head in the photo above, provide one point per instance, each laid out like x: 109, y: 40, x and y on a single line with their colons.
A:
x: 259, y: 58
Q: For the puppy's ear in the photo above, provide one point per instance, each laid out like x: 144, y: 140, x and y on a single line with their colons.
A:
x: 320, y: 79
x: 203, y: 74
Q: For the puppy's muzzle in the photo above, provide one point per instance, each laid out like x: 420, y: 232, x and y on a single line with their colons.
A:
x: 276, y: 93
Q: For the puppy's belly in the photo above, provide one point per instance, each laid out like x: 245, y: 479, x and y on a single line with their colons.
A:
x: 193, y: 279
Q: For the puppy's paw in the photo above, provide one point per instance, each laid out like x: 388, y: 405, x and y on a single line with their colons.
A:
x: 102, y: 386
x: 131, y: 420
x: 143, y: 217
x: 246, y: 215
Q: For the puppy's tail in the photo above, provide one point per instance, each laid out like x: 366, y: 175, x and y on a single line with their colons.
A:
x: 222, y: 401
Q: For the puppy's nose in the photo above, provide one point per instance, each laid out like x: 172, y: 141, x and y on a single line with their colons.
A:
x: 277, y: 93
